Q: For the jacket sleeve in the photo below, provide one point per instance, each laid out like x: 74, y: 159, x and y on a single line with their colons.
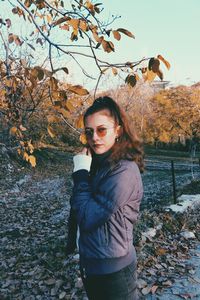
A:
x: 114, y: 191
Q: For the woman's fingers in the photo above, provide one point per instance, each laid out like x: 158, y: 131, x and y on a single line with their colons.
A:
x: 85, y: 151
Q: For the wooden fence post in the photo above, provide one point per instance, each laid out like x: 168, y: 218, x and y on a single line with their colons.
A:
x: 173, y: 182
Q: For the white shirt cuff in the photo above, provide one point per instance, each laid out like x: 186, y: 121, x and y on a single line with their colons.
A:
x: 82, y: 162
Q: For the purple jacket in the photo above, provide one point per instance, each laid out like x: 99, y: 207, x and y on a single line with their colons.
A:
x: 107, y: 207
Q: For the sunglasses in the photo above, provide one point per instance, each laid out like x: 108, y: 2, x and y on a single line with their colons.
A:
x: 100, y: 131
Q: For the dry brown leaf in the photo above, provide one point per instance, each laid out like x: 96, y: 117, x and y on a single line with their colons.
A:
x: 131, y: 80
x: 53, y: 119
x: 17, y: 40
x: 22, y: 128
x: 154, y: 64
x: 96, y: 8
x: 53, y: 83
x: 25, y: 156
x: 40, y: 73
x: 65, y: 70
x: 49, y: 19
x: 126, y: 32
x: 70, y: 106
x: 103, y: 71
x: 32, y: 160
x: 115, y: 71
x: 108, y: 46
x: 65, y: 27
x: 74, y: 23
x: 13, y: 130
x: 167, y: 64
x: 61, y: 20
x: 83, y: 139
x: 159, y: 73
x: 116, y: 35
x: 50, y: 132
x: 150, y: 75
x: 90, y: 7
x: 74, y: 35
x: 167, y: 283
x: 78, y: 89
x: 79, y: 122
x: 66, y: 114
x: 40, y: 4
x: 154, y: 289
x: 34, y: 73
x: 8, y: 23
x: 161, y: 251
x: 30, y: 147
x: 11, y: 38
x: 83, y: 25
x: 27, y: 3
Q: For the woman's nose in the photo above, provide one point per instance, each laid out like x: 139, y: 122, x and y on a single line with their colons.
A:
x: 95, y: 136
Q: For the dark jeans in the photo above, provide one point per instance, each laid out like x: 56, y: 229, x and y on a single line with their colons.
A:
x: 121, y: 285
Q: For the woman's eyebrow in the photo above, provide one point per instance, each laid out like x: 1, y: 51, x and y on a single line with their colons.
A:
x: 102, y: 125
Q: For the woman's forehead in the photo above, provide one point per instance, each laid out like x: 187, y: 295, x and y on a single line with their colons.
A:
x: 102, y: 117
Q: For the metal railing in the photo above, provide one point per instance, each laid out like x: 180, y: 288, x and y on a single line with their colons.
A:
x: 164, y: 179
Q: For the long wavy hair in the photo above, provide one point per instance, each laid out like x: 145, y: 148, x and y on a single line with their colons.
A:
x: 128, y: 146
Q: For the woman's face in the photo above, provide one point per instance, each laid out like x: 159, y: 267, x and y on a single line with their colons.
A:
x: 101, y: 131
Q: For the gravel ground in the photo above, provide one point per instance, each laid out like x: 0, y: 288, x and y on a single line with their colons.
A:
x: 34, y: 206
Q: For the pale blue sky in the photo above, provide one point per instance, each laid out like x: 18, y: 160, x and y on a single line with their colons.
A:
x: 170, y: 28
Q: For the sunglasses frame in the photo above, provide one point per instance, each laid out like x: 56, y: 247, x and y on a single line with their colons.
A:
x: 90, y: 134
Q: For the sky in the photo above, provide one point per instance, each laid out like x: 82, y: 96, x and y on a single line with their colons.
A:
x: 170, y: 28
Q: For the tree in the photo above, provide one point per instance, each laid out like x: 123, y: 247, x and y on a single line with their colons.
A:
x: 175, y: 114
x: 84, y: 35
x: 168, y: 116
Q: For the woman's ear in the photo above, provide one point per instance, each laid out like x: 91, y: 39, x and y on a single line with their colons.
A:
x: 119, y: 131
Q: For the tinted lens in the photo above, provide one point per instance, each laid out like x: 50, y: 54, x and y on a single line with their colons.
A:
x: 101, y: 132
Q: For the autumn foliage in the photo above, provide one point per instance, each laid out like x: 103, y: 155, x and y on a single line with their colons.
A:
x: 176, y: 115
x: 31, y: 92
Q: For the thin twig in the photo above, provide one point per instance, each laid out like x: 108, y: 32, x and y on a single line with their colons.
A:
x: 50, y: 58
x: 69, y: 124
x: 94, y: 55
x: 72, y: 53
x: 98, y: 81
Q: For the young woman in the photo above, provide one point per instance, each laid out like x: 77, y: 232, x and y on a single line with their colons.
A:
x: 106, y: 198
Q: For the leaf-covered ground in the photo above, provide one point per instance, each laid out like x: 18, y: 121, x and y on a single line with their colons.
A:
x: 34, y: 206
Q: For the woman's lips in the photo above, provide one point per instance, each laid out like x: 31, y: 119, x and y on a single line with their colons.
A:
x: 97, y: 145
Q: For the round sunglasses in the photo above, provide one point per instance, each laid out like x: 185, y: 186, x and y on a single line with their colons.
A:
x: 100, y: 131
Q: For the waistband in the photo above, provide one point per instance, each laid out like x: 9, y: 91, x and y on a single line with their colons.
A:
x: 92, y: 266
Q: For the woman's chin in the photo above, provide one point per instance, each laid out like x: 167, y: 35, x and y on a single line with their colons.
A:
x: 99, y: 152
x: 99, y: 149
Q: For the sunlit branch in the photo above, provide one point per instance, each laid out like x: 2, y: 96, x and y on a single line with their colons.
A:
x: 97, y: 84
x: 50, y: 58
x: 68, y: 124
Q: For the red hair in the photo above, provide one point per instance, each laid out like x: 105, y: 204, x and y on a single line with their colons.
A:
x: 127, y: 146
